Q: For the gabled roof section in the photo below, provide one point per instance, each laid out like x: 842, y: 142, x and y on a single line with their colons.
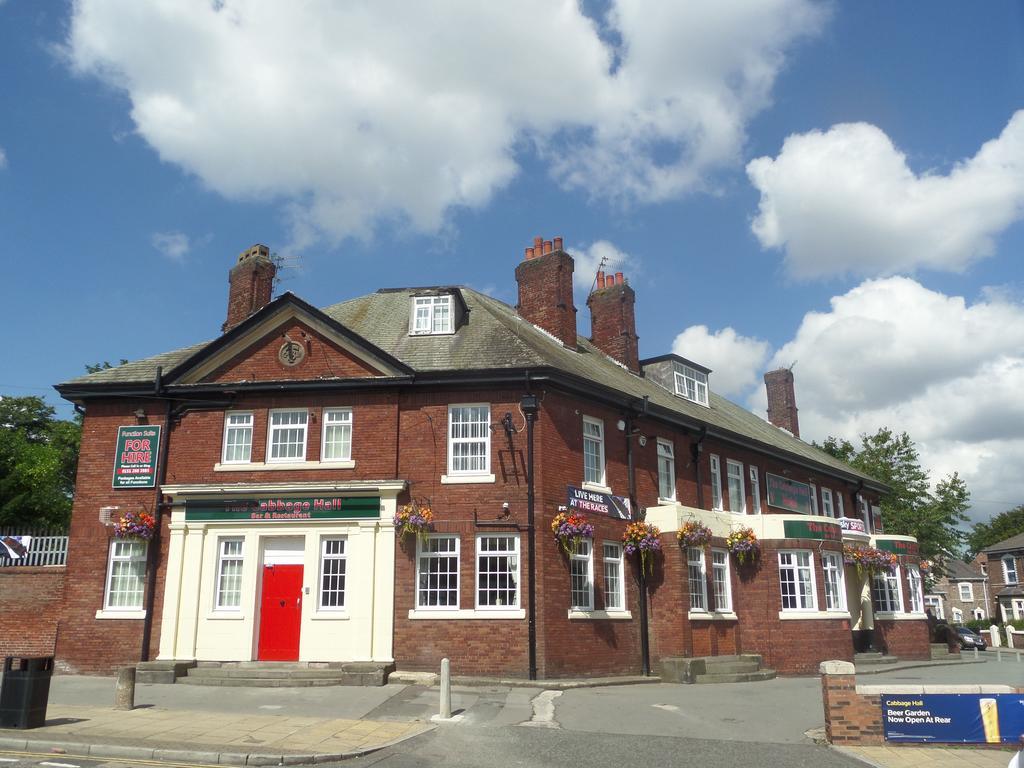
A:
x: 1006, y: 545
x: 958, y: 570
x: 257, y: 327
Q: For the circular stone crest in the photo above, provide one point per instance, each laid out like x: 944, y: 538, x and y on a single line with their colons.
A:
x: 291, y: 353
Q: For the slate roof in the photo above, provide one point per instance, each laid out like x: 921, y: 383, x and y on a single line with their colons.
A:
x: 1014, y: 542
x: 496, y: 338
x: 958, y: 570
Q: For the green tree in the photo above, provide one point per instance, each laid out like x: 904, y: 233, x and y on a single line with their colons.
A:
x: 1002, y: 526
x: 911, y: 508
x: 38, y: 459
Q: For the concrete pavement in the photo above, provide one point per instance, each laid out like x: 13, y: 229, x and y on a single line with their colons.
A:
x: 252, y: 726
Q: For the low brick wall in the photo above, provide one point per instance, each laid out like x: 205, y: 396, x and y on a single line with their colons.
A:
x: 853, y: 713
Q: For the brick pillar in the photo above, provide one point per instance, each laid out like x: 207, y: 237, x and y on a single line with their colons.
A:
x: 850, y: 718
x: 782, y: 400
x: 251, y: 284
x: 545, y: 289
x: 613, y: 320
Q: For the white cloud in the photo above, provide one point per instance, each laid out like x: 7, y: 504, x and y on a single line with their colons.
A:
x: 588, y: 258
x: 3, y: 155
x: 173, y: 245
x: 352, y: 115
x: 736, y: 361
x: 845, y: 201
x: 893, y: 353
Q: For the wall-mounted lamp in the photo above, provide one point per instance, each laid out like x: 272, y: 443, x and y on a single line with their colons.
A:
x: 642, y: 440
x: 140, y: 415
x: 621, y: 425
x: 510, y: 427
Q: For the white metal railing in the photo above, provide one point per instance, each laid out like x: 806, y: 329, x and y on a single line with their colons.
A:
x: 44, y: 548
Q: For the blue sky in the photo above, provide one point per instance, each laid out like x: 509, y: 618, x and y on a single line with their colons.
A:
x: 836, y: 185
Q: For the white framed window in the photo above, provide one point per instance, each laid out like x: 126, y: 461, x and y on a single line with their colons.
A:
x: 835, y: 589
x: 796, y: 577
x: 755, y: 489
x: 336, y: 444
x: 286, y: 435
x: 1009, y: 570
x: 437, y: 573
x: 914, y: 589
x: 814, y: 499
x: 979, y: 614
x: 934, y: 602
x: 469, y: 439
x: 332, y: 574
x: 737, y: 492
x: 958, y: 616
x: 966, y: 591
x: 698, y: 578
x: 431, y: 314
x: 497, y: 571
x: 720, y: 580
x: 614, y: 583
x: 237, y: 437
x: 840, y: 512
x: 666, y: 470
x: 126, y: 575
x: 230, y: 553
x: 716, y: 483
x: 1018, y: 609
x: 865, y: 512
x: 593, y: 451
x: 826, y: 503
x: 885, y: 589
x: 691, y: 384
x: 581, y: 577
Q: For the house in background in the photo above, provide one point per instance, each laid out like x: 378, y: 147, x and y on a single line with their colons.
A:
x: 273, y: 461
x: 1006, y: 577
x: 959, y: 593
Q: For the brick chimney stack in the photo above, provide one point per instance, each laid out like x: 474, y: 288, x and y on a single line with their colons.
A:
x: 545, y: 289
x: 251, y: 283
x: 613, y: 320
x: 782, y: 400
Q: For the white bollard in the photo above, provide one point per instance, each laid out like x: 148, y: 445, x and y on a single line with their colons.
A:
x: 993, y: 632
x: 446, y: 690
x: 975, y: 654
x: 1009, y: 636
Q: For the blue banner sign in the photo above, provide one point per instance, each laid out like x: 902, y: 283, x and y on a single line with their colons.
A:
x: 953, y: 718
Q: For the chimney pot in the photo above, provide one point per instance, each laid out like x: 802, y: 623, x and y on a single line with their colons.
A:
x: 528, y: 254
x: 558, y: 243
x: 600, y: 280
x: 619, y: 279
x: 538, y: 242
x: 547, y: 246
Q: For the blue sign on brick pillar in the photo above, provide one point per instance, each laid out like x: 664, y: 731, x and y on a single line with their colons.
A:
x: 953, y: 718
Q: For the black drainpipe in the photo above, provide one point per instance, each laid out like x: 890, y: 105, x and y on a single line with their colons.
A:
x: 529, y: 405
x: 645, y: 645
x: 695, y: 451
x: 153, y: 552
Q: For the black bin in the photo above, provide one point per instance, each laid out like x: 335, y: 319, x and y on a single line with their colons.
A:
x: 24, y: 691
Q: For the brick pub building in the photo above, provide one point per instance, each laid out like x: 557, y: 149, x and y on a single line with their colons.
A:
x: 287, y: 445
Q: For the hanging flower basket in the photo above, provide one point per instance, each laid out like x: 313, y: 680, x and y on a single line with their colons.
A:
x: 414, y: 518
x: 693, y: 533
x: 643, y: 538
x: 869, y: 560
x: 135, y: 525
x: 570, y: 530
x: 744, y: 544
x: 925, y: 566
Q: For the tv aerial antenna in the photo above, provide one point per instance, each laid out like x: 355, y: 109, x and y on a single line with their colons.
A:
x: 600, y: 268
x: 288, y: 268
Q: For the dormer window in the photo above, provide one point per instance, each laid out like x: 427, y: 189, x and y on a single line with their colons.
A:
x: 431, y: 315
x: 691, y: 384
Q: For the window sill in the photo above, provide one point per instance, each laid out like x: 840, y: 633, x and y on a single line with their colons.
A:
x: 460, y: 479
x: 330, y: 616
x: 662, y: 501
x: 814, y: 615
x: 713, y: 616
x: 226, y: 616
x: 467, y: 613
x: 599, y: 615
x: 112, y: 614
x: 597, y: 488
x: 260, y: 466
x: 891, y: 616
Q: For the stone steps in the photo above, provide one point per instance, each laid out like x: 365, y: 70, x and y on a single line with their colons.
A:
x: 255, y: 674
x: 714, y: 669
x: 941, y: 652
x: 872, y: 661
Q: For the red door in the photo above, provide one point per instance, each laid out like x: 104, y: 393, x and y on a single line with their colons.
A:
x: 280, y: 613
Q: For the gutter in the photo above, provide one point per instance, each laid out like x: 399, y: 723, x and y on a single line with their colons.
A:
x: 153, y: 549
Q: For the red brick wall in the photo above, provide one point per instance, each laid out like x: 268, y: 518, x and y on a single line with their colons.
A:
x: 850, y: 718
x: 323, y: 359
x: 545, y: 294
x: 30, y: 613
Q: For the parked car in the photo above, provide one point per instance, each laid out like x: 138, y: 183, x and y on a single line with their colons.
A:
x: 970, y: 639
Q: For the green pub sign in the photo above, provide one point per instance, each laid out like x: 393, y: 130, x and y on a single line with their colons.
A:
x: 137, y: 457
x: 811, y: 529
x: 284, y: 509
x: 789, y: 494
x: 897, y: 546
